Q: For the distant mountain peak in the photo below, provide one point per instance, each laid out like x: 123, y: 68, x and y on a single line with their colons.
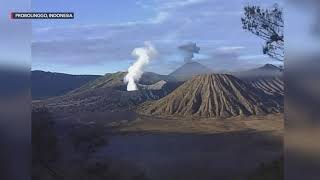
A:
x: 192, y: 62
x: 266, y: 71
x: 270, y: 67
x: 189, y: 70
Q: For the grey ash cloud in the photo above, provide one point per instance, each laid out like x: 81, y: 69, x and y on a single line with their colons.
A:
x: 188, y: 50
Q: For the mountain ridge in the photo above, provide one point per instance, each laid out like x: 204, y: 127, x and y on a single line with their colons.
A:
x: 46, y: 84
x: 265, y: 71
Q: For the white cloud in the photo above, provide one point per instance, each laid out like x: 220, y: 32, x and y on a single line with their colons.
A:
x: 161, y: 17
x: 171, y: 4
x: 255, y: 56
x: 230, y: 48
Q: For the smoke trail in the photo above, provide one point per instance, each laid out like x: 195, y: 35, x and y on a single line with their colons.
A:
x: 144, y: 55
x: 188, y: 50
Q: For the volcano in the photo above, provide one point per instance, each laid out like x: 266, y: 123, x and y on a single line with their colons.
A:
x: 189, y: 70
x: 214, y: 95
x: 108, y: 93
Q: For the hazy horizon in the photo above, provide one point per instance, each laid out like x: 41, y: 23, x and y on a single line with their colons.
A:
x: 149, y: 71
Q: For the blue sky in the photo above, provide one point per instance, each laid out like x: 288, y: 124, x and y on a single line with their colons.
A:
x: 103, y: 34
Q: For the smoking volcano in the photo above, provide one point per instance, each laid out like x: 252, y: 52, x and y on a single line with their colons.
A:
x: 190, y: 68
x: 144, y: 55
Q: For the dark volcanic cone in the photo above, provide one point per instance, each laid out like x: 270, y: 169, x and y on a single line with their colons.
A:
x: 189, y: 70
x: 215, y: 95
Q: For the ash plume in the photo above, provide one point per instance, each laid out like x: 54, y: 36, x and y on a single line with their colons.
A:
x: 188, y: 50
x: 144, y: 55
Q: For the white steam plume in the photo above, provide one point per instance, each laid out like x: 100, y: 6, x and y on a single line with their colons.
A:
x: 144, y: 55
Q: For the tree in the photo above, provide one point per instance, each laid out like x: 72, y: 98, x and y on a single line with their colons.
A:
x: 268, y: 25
